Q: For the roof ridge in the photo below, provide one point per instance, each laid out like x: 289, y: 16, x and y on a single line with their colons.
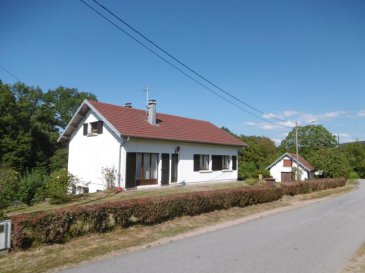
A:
x: 158, y: 113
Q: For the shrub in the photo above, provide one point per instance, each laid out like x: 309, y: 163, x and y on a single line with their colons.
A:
x: 9, y: 180
x: 31, y: 187
x: 353, y: 175
x: 252, y: 181
x: 110, y: 175
x: 61, y: 225
x: 58, y: 185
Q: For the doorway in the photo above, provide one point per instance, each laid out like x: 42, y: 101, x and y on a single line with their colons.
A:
x: 165, y: 170
x: 174, y: 167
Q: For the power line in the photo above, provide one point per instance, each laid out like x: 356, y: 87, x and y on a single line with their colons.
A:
x: 11, y: 74
x: 171, y: 64
x: 183, y: 64
x: 183, y: 72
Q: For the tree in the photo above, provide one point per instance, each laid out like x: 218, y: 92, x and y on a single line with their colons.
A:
x: 254, y: 159
x: 331, y: 161
x: 30, y: 121
x: 28, y: 134
x: 310, y: 138
x: 355, y: 153
x: 64, y: 103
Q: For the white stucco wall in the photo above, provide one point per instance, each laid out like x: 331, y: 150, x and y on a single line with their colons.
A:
x: 88, y: 154
x: 278, y: 168
x: 186, y: 163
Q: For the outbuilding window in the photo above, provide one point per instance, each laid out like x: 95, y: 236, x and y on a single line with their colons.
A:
x: 287, y: 163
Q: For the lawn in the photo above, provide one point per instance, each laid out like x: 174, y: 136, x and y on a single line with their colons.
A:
x: 102, y: 197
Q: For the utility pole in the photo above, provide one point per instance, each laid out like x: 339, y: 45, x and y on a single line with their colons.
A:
x: 296, y: 147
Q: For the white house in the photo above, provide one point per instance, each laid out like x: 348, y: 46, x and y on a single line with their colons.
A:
x: 283, y: 169
x: 146, y: 148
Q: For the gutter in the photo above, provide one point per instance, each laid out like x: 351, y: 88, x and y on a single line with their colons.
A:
x: 125, y: 140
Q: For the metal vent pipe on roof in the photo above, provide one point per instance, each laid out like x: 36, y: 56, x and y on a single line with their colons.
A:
x: 151, y: 112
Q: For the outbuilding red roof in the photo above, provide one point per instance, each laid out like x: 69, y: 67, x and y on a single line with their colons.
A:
x: 303, y: 161
x: 133, y: 123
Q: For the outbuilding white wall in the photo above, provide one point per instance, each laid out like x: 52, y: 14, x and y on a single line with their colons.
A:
x: 88, y: 154
x: 278, y: 168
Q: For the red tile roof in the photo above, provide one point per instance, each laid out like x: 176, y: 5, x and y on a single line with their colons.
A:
x: 304, y: 162
x: 133, y: 123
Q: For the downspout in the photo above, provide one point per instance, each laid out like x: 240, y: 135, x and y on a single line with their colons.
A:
x: 125, y: 140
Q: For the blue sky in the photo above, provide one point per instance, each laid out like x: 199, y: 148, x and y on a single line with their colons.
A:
x: 296, y: 60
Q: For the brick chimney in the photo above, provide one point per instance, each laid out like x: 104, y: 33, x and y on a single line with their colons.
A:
x: 151, y: 112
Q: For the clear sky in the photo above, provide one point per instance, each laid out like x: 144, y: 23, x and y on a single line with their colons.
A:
x: 297, y: 60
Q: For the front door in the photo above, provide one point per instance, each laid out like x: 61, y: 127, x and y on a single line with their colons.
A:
x: 174, y: 167
x: 165, y: 175
x: 131, y: 170
x: 286, y: 177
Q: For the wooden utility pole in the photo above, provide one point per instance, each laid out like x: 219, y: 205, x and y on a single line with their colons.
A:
x: 297, y: 152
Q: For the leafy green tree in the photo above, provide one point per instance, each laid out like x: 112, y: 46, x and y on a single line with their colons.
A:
x: 254, y: 159
x: 59, y: 159
x: 331, y: 161
x: 27, y: 129
x: 64, y: 103
x: 310, y: 138
x: 30, y: 121
x: 355, y: 153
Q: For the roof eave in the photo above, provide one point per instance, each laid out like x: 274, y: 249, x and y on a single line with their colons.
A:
x: 293, y: 157
x: 183, y: 140
x: 77, y: 117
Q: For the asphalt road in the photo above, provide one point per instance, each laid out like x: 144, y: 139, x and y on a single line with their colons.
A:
x: 318, y: 238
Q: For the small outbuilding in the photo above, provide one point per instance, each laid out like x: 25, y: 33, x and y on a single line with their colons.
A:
x: 283, y: 169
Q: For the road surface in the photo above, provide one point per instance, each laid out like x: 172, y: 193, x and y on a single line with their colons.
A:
x: 318, y: 238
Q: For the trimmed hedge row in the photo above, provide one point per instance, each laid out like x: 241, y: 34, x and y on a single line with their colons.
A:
x: 61, y: 225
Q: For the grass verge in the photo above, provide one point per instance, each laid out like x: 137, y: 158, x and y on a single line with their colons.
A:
x: 356, y: 263
x: 50, y: 258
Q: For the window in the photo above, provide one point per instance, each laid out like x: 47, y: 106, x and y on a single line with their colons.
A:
x: 146, y: 168
x: 217, y: 162
x: 226, y: 162
x: 220, y: 162
x: 92, y: 129
x: 201, y: 162
x: 85, y: 129
x: 287, y: 163
x: 234, y: 162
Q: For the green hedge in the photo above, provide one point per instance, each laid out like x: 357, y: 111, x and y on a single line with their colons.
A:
x: 61, y: 225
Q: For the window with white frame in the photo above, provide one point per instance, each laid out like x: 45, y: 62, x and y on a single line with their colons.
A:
x: 201, y: 162
x: 226, y: 162
x: 93, y: 128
